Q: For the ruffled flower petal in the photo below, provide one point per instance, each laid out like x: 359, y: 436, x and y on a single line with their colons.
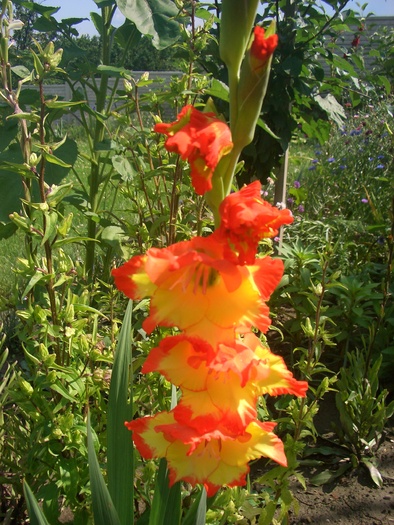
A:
x: 212, y: 459
x: 195, y: 273
x: 246, y: 219
x: 202, y: 139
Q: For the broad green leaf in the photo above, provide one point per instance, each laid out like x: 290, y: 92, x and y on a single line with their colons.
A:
x: 200, y: 501
x: 113, y: 235
x: 333, y: 109
x: 104, y: 3
x: 385, y: 82
x: 120, y: 455
x: 44, y: 10
x: 97, y: 21
x: 154, y: 18
x: 127, y: 35
x: 31, y: 117
x: 267, y: 513
x: 38, y: 276
x: 202, y: 508
x: 21, y: 71
x: 36, y: 515
x: 219, y: 90
x: 326, y: 476
x: 123, y: 167
x: 267, y: 129
x: 103, y: 508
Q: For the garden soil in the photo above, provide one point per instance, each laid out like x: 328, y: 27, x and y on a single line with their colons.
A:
x: 352, y: 499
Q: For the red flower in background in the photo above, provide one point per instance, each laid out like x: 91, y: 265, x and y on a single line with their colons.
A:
x: 202, y: 139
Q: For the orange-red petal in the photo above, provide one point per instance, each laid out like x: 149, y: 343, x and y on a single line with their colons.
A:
x: 202, y: 139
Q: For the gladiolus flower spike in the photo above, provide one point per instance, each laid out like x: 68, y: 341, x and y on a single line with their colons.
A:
x: 214, y: 290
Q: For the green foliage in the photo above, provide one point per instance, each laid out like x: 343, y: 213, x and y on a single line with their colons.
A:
x: 362, y: 409
x: 153, y: 18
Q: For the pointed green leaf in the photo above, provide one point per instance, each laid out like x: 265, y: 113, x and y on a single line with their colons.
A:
x: 374, y: 472
x: 120, y: 409
x: 103, y: 508
x: 202, y: 508
x: 36, y: 515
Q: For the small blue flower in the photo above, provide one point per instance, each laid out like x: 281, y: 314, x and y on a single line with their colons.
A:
x: 380, y: 157
x: 380, y: 167
x: 311, y: 168
x: 331, y: 159
x: 297, y: 184
x: 342, y: 167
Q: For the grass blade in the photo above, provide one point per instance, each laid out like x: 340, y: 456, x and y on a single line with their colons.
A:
x: 103, y: 508
x: 120, y: 455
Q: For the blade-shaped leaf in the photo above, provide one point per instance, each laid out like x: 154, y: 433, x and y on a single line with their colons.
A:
x: 166, y: 503
x: 120, y: 409
x: 36, y: 515
x: 103, y: 508
x: 154, y: 18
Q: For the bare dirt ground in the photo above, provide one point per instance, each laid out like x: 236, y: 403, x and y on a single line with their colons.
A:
x: 352, y: 499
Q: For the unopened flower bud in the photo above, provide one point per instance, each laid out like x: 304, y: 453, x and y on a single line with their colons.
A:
x: 33, y: 160
x: 253, y: 83
x: 15, y: 25
x: 128, y: 86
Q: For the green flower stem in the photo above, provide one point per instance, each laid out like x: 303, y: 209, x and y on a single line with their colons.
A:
x: 222, y: 181
x: 47, y: 245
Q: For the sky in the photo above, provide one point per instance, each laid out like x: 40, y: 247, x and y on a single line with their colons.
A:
x: 82, y: 8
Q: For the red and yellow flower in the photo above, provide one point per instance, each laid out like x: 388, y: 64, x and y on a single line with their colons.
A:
x: 202, y: 139
x: 212, y: 459
x: 246, y: 219
x: 214, y: 290
x: 221, y: 294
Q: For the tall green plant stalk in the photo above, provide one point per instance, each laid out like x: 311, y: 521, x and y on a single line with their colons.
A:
x: 315, y: 350
x: 107, y: 14
x: 11, y: 97
x: 47, y: 244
